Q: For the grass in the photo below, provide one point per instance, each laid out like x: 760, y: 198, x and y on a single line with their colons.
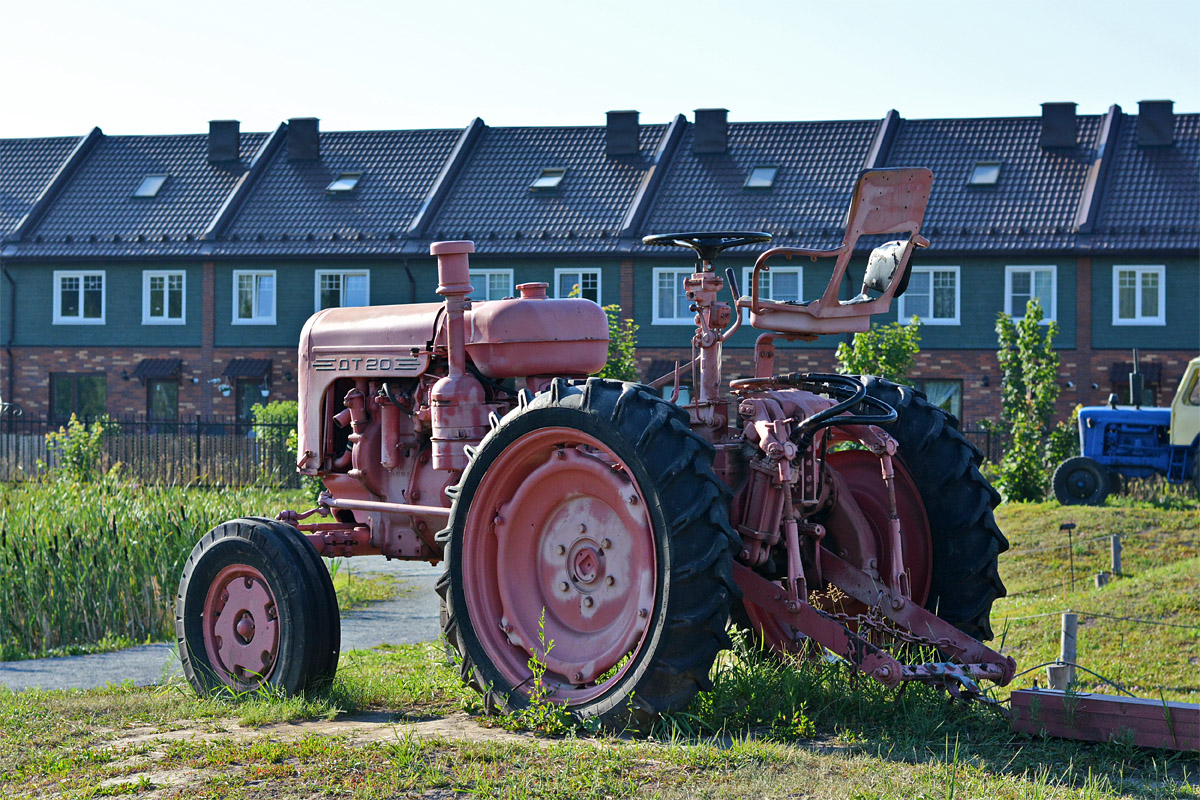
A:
x: 90, y: 567
x: 1160, y: 583
x: 858, y: 741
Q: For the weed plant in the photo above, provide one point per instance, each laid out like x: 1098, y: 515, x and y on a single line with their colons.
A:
x: 93, y: 562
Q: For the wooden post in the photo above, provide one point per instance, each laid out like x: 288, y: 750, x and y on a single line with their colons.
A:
x: 1116, y: 554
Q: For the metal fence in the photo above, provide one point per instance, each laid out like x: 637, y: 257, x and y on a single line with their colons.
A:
x: 201, y: 451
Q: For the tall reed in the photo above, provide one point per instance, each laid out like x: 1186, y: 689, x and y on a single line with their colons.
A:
x: 81, y: 563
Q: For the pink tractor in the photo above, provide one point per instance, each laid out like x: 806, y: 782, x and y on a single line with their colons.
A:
x: 607, y: 532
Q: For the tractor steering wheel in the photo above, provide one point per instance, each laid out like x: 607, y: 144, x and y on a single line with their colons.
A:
x: 708, y: 244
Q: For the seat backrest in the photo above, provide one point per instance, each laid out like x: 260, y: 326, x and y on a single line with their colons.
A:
x: 888, y: 201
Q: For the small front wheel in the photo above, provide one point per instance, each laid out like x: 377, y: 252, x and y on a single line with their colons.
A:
x: 1081, y: 481
x: 256, y: 608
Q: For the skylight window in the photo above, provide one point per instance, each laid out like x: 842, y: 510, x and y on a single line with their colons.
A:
x: 344, y: 183
x: 985, y: 173
x: 150, y: 186
x: 550, y: 178
x: 761, y: 178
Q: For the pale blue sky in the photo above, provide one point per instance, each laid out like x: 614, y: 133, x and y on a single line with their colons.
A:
x: 157, y: 66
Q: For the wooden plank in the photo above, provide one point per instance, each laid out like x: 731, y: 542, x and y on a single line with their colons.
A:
x: 1102, y: 718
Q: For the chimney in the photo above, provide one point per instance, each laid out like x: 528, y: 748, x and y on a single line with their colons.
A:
x: 712, y: 128
x: 621, y: 134
x: 304, y: 139
x: 1156, y: 123
x: 223, y: 140
x: 1058, y: 125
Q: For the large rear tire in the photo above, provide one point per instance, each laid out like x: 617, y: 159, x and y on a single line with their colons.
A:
x: 589, y: 538
x: 965, y: 542
x: 256, y: 608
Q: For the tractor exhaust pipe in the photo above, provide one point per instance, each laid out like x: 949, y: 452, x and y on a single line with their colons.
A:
x: 459, y: 413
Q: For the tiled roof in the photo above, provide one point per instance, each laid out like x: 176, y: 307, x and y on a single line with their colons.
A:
x: 289, y: 211
x: 26, y: 167
x: 1032, y: 205
x: 806, y: 206
x: 491, y: 201
x: 96, y: 213
x: 1152, y: 199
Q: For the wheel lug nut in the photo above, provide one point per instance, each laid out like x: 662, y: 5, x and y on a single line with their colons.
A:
x: 588, y: 602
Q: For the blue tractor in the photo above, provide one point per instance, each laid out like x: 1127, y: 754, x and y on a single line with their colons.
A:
x: 1119, y: 442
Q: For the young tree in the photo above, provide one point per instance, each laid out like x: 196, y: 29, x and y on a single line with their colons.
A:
x: 886, y: 351
x: 622, y: 344
x: 1028, y: 391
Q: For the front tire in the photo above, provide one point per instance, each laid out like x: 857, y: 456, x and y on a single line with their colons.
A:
x: 256, y: 608
x: 1081, y: 481
x: 589, y: 538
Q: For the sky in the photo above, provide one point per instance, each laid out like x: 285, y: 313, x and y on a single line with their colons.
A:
x: 162, y: 66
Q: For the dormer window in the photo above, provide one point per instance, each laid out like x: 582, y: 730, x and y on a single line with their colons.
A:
x: 550, y: 178
x: 346, y: 182
x: 150, y: 186
x: 762, y: 177
x: 985, y: 173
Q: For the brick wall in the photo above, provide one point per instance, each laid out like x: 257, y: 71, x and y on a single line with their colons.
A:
x: 31, y: 387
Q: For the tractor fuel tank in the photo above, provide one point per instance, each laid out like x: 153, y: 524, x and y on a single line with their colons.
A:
x: 516, y: 337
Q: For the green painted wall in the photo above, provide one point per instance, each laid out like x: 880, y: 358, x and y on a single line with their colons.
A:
x: 1182, y: 291
x: 34, y: 308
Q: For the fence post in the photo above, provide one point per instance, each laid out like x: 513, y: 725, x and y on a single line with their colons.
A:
x: 1062, y: 675
x: 196, y: 470
x: 1116, y: 554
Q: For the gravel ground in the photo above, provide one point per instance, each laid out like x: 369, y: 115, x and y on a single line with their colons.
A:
x: 410, y: 617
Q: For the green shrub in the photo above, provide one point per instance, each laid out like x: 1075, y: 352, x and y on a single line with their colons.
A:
x: 886, y: 351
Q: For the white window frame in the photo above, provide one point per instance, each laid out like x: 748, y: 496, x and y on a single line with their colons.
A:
x: 166, y: 275
x: 658, y: 318
x: 905, y: 316
x: 59, y: 274
x: 1048, y: 314
x: 255, y: 320
x: 1139, y: 270
x: 580, y: 271
x: 747, y: 288
x: 487, y: 273
x: 341, y: 273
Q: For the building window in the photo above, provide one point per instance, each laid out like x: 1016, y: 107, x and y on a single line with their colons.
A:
x: 150, y: 186
x: 162, y: 400
x: 345, y: 183
x: 781, y: 284
x: 78, y: 298
x: 343, y: 289
x: 583, y: 283
x: 932, y: 295
x: 549, y: 178
x: 253, y: 297
x: 671, y: 303
x: 491, y: 284
x: 163, y: 295
x: 946, y: 395
x: 1022, y: 284
x: 984, y: 173
x: 761, y: 178
x: 85, y: 396
x: 1139, y: 295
